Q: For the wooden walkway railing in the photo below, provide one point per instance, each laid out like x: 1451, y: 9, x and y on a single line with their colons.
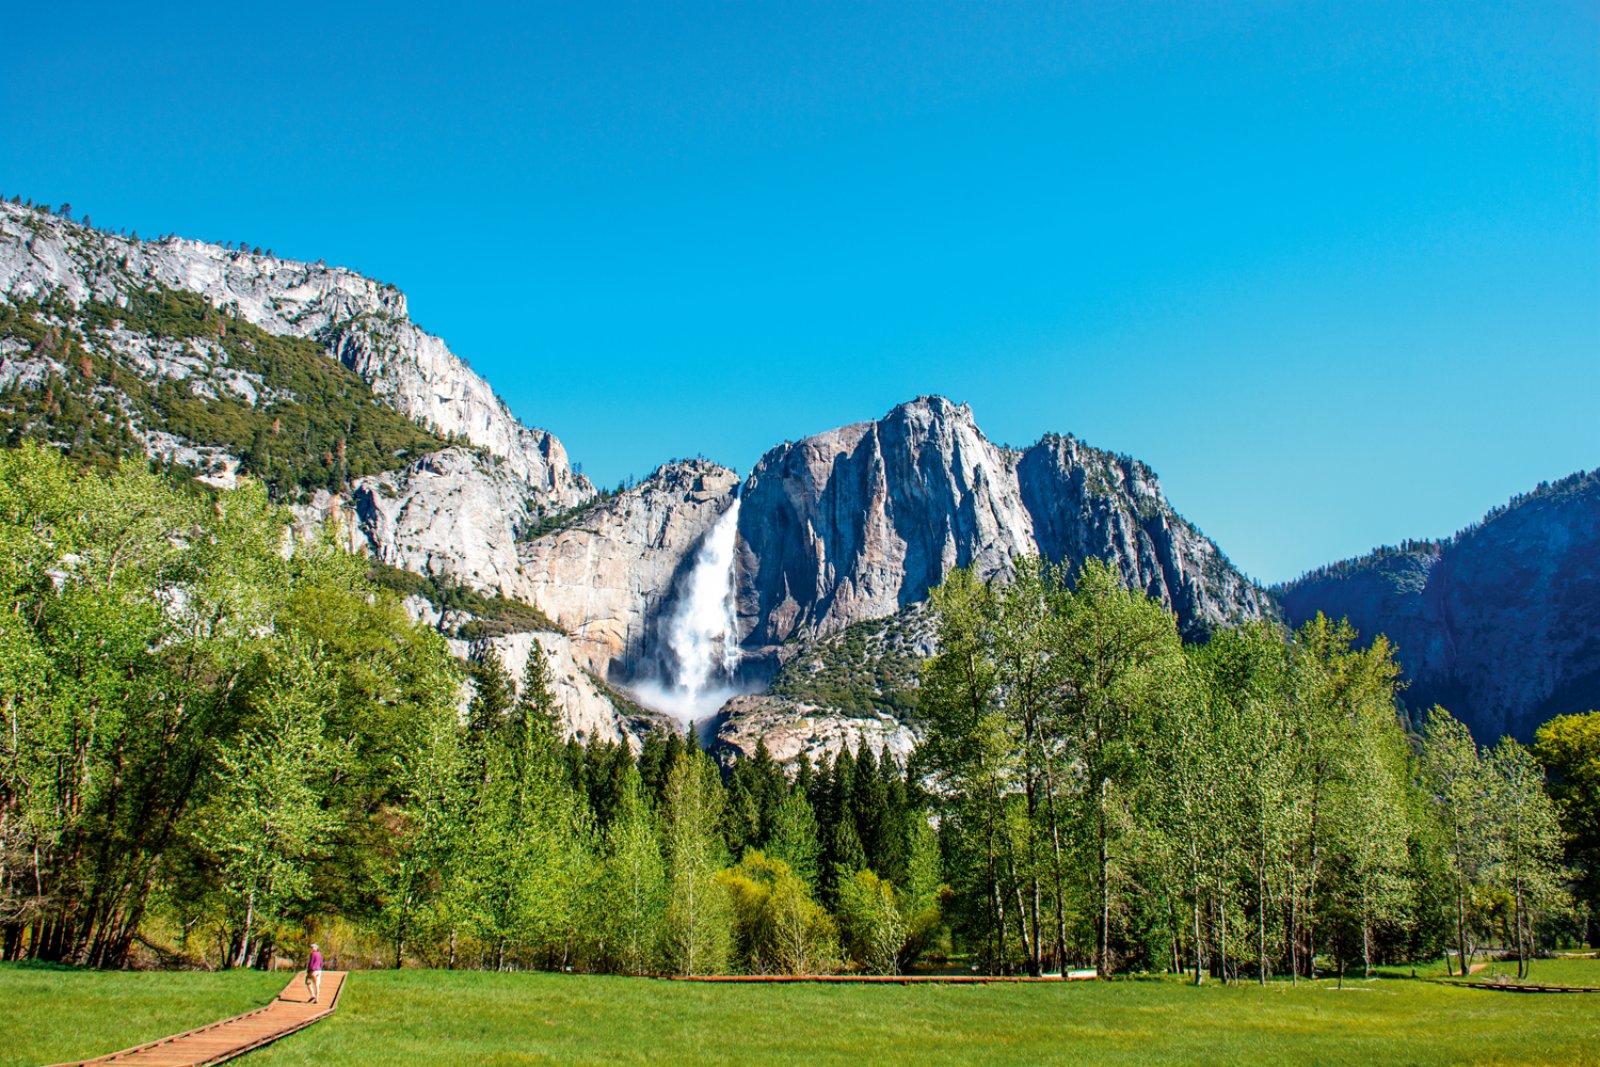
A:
x: 1514, y: 986
x: 889, y: 979
x: 219, y: 1041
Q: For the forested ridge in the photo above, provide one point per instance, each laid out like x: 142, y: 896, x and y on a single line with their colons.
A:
x: 221, y: 740
x: 297, y: 420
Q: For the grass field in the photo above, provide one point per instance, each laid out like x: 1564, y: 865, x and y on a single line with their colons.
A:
x: 1569, y: 972
x: 47, y: 1016
x: 423, y: 1018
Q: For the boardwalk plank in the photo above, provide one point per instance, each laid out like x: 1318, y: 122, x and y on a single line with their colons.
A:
x: 223, y: 1040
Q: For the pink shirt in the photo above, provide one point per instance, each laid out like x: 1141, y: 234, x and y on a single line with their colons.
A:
x: 315, y: 963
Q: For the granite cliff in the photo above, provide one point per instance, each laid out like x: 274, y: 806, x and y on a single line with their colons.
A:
x: 230, y: 363
x: 861, y: 521
x: 359, y: 322
x: 1500, y: 624
x: 606, y: 573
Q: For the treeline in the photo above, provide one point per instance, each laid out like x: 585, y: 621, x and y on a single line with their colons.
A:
x: 534, y: 852
x: 204, y: 731
x: 1577, y: 482
x: 1246, y: 807
x: 219, y: 741
x: 215, y: 745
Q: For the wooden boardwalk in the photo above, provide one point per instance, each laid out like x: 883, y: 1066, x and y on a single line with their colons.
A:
x: 219, y: 1041
x: 887, y: 979
x: 1513, y: 986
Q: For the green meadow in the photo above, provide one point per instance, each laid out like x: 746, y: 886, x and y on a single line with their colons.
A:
x: 50, y: 1014
x: 464, y: 1018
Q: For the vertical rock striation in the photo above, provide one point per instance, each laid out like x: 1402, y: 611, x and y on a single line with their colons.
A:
x: 605, y: 575
x: 861, y: 521
x: 1500, y: 624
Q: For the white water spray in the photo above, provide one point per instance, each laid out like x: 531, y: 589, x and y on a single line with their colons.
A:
x: 701, y: 635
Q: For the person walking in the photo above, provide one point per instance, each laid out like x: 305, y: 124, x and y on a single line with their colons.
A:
x: 314, y: 973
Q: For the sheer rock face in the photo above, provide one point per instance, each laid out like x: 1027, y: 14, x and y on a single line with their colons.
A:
x: 604, y: 577
x: 857, y: 522
x: 362, y: 322
x: 861, y: 521
x: 454, y: 513
x: 1501, y: 625
x: 1089, y: 504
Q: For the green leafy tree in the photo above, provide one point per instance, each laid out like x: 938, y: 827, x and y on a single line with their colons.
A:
x: 777, y: 927
x: 1569, y: 747
x: 1119, y: 649
x: 631, y: 903
x: 698, y: 923
x: 267, y: 820
x: 1529, y: 830
x: 1460, y: 785
x: 872, y: 922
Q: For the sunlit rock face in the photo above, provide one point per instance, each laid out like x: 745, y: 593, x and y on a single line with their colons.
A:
x: 362, y: 322
x: 1088, y: 504
x: 860, y: 521
x: 792, y: 728
x: 607, y: 576
x: 586, y: 711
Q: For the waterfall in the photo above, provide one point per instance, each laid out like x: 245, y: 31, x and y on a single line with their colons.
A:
x: 699, y: 636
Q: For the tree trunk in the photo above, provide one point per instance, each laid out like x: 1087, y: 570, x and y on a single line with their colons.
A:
x: 244, y: 941
x: 1103, y: 955
x: 1222, y: 927
x: 1294, y: 935
x: 1261, y: 926
x: 1199, y: 941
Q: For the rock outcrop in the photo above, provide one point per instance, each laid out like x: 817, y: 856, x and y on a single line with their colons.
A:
x: 1500, y: 624
x: 359, y: 321
x: 861, y: 521
x: 791, y: 728
x: 455, y: 512
x: 606, y: 574
x: 1085, y: 503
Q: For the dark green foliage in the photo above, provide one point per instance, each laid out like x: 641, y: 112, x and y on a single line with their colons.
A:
x: 865, y: 669
x: 315, y: 423
x: 493, y: 615
x: 1573, y: 484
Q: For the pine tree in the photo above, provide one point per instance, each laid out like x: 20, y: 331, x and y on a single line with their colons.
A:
x: 794, y: 836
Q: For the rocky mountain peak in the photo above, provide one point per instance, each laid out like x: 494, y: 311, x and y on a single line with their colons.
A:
x: 359, y: 321
x: 858, y: 522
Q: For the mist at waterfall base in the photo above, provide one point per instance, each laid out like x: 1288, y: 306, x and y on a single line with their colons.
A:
x: 698, y: 638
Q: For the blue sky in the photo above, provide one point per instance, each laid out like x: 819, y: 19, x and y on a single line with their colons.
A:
x: 1332, y: 270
